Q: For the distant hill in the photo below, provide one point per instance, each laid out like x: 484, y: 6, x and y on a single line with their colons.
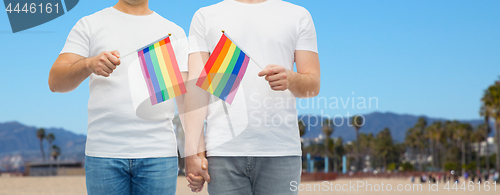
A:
x: 18, y: 139
x: 375, y: 122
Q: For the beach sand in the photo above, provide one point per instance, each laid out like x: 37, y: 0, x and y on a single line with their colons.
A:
x: 75, y: 185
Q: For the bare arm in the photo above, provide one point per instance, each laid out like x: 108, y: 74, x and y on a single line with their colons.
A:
x: 196, y: 102
x: 305, y: 83
x: 179, y: 100
x: 195, y: 105
x: 70, y: 70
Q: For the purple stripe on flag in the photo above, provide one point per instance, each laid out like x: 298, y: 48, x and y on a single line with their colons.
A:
x: 144, y: 69
x: 236, y: 85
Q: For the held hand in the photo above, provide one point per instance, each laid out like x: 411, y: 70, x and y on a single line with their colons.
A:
x: 104, y: 64
x: 277, y: 76
x: 196, y: 171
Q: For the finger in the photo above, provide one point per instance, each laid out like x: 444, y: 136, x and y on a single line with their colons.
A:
x: 113, y: 58
x: 267, y: 71
x: 276, y: 77
x: 279, y: 88
x: 102, y: 73
x: 105, y: 68
x: 277, y: 83
x: 264, y: 72
x: 200, y: 189
x: 109, y: 64
x: 196, y: 179
x: 206, y: 176
x: 194, y: 187
x: 116, y: 53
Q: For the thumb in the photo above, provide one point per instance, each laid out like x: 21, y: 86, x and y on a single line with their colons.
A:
x: 116, y: 53
x: 206, y: 176
x: 204, y: 164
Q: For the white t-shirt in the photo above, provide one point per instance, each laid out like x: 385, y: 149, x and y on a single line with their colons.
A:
x: 264, y: 121
x: 114, y: 129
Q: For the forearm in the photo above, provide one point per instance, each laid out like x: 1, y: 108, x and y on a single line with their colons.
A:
x: 65, y: 77
x: 195, y: 105
x: 303, y: 85
x: 196, y: 111
x: 180, y: 102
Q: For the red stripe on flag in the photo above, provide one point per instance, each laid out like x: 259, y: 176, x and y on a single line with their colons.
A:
x: 211, y: 60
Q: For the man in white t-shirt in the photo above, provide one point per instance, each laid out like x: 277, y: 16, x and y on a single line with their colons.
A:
x: 253, y: 145
x: 125, y: 153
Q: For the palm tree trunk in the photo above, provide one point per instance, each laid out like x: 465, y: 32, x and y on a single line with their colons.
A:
x: 478, y: 157
x: 487, y: 156
x: 443, y: 156
x: 385, y: 163
x: 432, y: 151
x: 335, y: 163
x: 463, y: 156
x: 358, y: 161
x: 41, y: 149
x: 420, y: 159
x: 497, y: 141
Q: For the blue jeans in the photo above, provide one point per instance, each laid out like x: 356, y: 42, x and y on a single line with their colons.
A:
x: 151, y: 176
x: 254, y: 175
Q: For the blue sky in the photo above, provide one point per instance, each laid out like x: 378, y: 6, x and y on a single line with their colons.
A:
x: 421, y: 57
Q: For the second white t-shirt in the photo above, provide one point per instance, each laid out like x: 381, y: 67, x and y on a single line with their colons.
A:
x: 264, y: 121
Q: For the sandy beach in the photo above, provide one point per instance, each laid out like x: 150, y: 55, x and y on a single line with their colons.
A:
x: 75, y: 185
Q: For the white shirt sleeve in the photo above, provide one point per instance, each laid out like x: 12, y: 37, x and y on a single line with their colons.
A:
x: 181, y: 47
x: 307, y: 33
x: 78, y: 41
x: 197, y: 35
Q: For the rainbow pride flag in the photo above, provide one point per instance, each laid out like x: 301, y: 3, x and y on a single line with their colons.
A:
x: 161, y: 71
x: 224, y: 70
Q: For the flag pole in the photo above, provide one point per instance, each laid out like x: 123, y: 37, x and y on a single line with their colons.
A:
x: 228, y: 118
x: 224, y: 32
x: 226, y: 111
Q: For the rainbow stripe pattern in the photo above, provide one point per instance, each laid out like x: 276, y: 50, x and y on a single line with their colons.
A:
x: 161, y: 71
x: 224, y: 70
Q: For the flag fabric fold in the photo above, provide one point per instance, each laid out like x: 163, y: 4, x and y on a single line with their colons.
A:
x: 224, y: 70
x: 161, y: 71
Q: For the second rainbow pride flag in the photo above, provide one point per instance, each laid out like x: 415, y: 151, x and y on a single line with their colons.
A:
x: 161, y: 71
x: 224, y: 70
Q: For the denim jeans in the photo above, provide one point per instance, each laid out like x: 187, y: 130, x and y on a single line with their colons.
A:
x: 151, y: 176
x: 253, y: 175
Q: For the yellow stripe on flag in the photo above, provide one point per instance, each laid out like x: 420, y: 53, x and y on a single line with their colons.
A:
x: 164, y: 72
x: 222, y: 68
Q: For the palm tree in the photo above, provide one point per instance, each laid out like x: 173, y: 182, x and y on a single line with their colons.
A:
x: 40, y: 134
x: 302, y: 132
x: 461, y: 135
x: 436, y: 135
x: 384, y: 145
x: 415, y: 139
x: 491, y: 108
x: 479, y: 136
x: 339, y: 150
x: 50, y: 138
x: 302, y: 128
x: 56, y: 151
x: 327, y: 128
x: 357, y: 122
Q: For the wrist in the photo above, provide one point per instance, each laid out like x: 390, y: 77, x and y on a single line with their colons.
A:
x: 290, y: 76
x: 86, y: 64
